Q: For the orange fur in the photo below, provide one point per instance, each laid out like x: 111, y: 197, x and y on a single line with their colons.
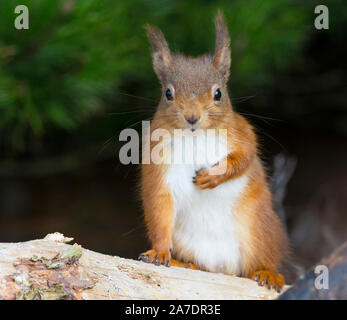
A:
x: 158, y: 207
x: 263, y: 243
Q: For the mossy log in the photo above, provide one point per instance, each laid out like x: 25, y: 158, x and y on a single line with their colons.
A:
x: 50, y: 268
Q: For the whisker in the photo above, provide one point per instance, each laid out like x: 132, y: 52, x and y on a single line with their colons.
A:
x: 259, y: 116
x: 105, y: 144
x: 138, y: 97
x: 129, y: 112
x: 165, y: 117
x: 263, y: 118
x: 248, y: 114
x: 141, y: 225
x: 257, y: 128
x: 242, y: 99
x: 173, y: 121
x: 272, y: 138
x: 220, y: 120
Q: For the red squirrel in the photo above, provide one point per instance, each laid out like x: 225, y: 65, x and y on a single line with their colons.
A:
x: 196, y: 218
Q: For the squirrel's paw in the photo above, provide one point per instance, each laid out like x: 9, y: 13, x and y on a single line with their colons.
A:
x: 270, y: 279
x: 152, y: 256
x: 205, y: 179
x: 176, y: 263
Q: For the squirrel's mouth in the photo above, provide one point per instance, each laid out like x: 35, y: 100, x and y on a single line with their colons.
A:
x: 193, y: 128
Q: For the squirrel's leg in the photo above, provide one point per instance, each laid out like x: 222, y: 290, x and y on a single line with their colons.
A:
x: 158, y: 212
x: 242, y: 143
x: 270, y: 279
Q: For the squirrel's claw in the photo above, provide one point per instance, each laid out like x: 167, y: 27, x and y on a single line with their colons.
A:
x: 152, y: 256
x: 270, y: 279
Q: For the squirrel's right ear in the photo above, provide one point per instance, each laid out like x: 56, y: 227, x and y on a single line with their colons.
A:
x: 160, y: 51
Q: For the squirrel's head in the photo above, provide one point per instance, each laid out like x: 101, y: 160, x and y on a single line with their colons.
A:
x: 194, y: 90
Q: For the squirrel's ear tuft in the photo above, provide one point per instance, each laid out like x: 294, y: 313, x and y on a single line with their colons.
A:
x: 160, y: 51
x: 222, y: 57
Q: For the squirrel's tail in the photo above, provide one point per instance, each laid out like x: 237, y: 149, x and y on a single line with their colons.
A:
x: 282, y: 171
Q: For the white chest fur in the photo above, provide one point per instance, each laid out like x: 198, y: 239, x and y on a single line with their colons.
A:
x: 204, y: 224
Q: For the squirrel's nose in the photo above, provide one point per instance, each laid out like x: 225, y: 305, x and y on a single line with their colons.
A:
x: 192, y: 119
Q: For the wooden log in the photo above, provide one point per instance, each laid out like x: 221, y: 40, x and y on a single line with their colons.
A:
x: 51, y: 269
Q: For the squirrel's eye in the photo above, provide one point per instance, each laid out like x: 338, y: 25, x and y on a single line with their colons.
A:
x: 217, y: 95
x: 168, y: 94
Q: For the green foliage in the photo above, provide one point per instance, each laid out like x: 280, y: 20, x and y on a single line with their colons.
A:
x: 77, y: 54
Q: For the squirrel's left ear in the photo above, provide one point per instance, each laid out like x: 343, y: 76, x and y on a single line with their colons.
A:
x: 222, y: 56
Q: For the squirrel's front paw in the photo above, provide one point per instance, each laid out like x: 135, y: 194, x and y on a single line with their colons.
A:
x: 270, y: 279
x: 152, y: 256
x: 211, y: 178
x: 205, y: 179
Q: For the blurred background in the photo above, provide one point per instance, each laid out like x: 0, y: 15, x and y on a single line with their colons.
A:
x: 82, y: 72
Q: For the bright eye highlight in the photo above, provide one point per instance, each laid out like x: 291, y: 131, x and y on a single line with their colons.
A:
x: 217, y: 95
x: 169, y: 95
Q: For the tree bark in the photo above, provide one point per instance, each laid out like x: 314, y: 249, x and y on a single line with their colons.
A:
x: 51, y: 269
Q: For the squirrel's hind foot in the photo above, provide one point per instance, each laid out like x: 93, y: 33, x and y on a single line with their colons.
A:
x: 268, y: 278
